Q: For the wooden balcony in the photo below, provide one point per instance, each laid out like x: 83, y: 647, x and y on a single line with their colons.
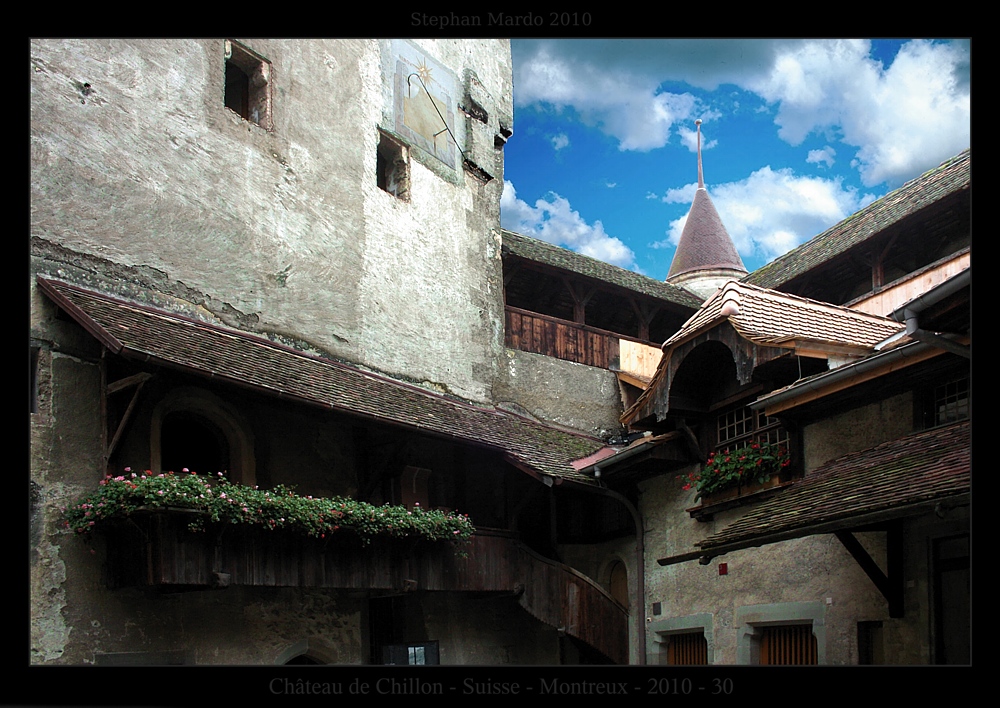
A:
x: 562, y: 339
x: 156, y: 549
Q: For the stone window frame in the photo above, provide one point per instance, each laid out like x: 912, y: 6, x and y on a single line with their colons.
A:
x: 750, y: 619
x: 660, y: 632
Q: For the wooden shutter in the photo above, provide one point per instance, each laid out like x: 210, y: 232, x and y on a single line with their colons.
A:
x: 791, y: 644
x: 687, y: 649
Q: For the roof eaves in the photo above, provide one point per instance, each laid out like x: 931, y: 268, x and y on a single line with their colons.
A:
x: 253, y: 362
x: 948, y: 178
x: 533, y: 249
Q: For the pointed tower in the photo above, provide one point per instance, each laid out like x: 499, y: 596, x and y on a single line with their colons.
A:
x: 706, y: 258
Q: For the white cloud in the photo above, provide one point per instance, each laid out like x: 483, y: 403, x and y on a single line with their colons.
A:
x: 553, y: 219
x: 824, y: 156
x: 902, y: 119
x: 899, y: 119
x: 689, y: 139
x: 772, y: 211
x: 623, y: 104
x: 559, y: 141
x: 609, y: 184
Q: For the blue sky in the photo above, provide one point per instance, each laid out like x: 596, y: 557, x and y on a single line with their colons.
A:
x: 796, y: 135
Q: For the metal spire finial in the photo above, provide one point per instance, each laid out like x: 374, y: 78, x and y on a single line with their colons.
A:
x: 701, y: 179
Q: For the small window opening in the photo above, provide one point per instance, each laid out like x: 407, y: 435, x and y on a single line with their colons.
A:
x: 415, y: 654
x: 392, y: 167
x: 247, y: 90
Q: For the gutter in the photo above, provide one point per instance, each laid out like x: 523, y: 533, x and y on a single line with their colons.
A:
x: 843, y: 373
x: 911, y: 311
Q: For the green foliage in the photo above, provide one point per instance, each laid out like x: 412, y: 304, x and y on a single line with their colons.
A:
x: 278, y: 508
x: 751, y: 464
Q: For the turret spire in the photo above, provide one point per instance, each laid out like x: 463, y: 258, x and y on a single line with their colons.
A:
x: 706, y: 258
x: 701, y: 178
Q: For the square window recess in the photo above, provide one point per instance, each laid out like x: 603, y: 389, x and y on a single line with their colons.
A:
x: 392, y: 167
x: 248, y: 84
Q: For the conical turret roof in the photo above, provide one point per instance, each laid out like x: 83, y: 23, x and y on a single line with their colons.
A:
x: 705, y: 244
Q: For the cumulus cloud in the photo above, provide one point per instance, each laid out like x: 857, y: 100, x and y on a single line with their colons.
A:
x: 559, y: 141
x: 552, y: 219
x: 689, y: 139
x: 623, y: 104
x: 824, y: 156
x: 899, y: 120
x: 902, y: 119
x: 771, y: 211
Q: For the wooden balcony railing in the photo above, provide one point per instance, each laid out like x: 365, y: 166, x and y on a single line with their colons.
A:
x: 542, y: 334
x: 156, y: 549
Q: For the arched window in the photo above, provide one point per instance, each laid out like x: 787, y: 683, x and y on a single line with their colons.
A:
x: 195, y: 429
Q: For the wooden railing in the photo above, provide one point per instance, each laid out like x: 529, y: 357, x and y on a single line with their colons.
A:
x: 157, y: 549
x: 542, y: 334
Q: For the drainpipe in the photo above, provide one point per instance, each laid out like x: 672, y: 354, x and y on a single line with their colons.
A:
x: 640, y: 582
x: 910, y: 314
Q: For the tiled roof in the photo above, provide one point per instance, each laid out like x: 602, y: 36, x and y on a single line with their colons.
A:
x: 704, y: 243
x: 949, y: 177
x: 902, y: 474
x: 773, y: 318
x: 142, y: 332
x: 541, y: 252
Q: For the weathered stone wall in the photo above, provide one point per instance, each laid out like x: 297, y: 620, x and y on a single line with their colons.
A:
x: 572, y: 395
x: 814, y: 569
x: 136, y: 161
x: 858, y: 429
x: 487, y: 631
x: 143, y: 184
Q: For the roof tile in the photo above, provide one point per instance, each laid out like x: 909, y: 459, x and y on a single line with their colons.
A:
x: 143, y: 332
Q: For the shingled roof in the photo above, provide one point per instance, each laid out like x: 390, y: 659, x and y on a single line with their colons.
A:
x: 148, y: 334
x: 948, y: 178
x: 541, y: 252
x: 892, y: 480
x: 773, y: 318
x: 705, y: 244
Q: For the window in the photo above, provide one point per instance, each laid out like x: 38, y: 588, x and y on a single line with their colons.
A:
x: 247, y: 90
x: 416, y: 654
x: 392, y: 167
x: 951, y: 401
x: 781, y: 634
x: 786, y: 645
x: 683, y: 641
x: 687, y: 649
x: 742, y: 426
